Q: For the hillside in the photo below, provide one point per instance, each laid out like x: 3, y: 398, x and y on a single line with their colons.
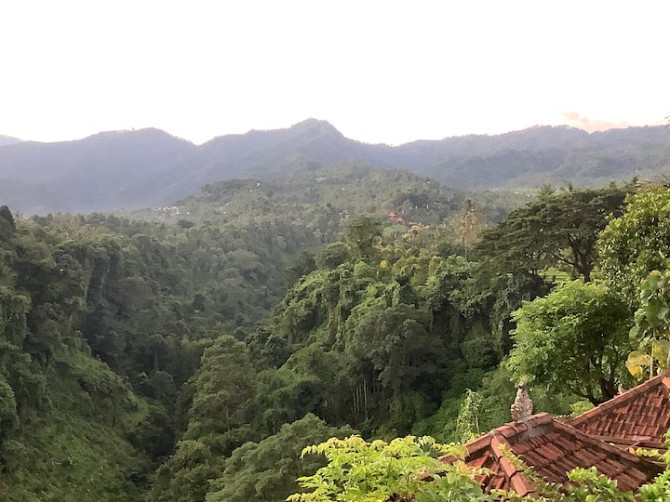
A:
x: 350, y: 188
x: 183, y: 360
x: 151, y: 168
x: 106, y: 171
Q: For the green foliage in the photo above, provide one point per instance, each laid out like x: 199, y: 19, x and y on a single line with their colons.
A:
x: 467, y: 423
x: 374, y: 336
x: 332, y: 255
x: 224, y: 386
x: 74, y: 444
x: 268, y: 470
x: 406, y: 469
x: 361, y: 471
x: 496, y: 391
x: 468, y: 224
x: 636, y: 243
x: 557, y: 229
x: 323, y: 200
x: 371, y: 320
x: 7, y: 224
x: 589, y: 486
x: 9, y: 419
x: 361, y: 235
x: 580, y: 407
x: 155, y: 342
x: 64, y: 416
x: 185, y: 475
x: 584, y: 327
x: 154, y: 435
x: 651, y: 333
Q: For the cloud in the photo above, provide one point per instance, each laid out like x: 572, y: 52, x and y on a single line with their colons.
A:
x: 575, y: 119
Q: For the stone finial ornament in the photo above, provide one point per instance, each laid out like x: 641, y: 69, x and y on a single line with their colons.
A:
x: 522, y: 407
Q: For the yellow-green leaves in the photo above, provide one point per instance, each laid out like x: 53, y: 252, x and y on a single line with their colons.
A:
x: 406, y: 467
x: 636, y: 243
x: 651, y: 333
x: 636, y: 363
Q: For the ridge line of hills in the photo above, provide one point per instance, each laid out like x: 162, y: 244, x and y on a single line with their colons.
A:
x: 147, y: 167
x: 324, y: 125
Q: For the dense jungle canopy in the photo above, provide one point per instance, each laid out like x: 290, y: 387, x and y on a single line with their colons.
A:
x: 190, y: 353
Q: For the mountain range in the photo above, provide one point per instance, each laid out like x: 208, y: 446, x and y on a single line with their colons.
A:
x: 149, y: 167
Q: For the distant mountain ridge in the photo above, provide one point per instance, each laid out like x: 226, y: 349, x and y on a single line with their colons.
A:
x: 131, y: 169
x: 8, y: 140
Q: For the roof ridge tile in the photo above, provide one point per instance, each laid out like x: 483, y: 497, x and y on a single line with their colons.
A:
x: 621, y: 398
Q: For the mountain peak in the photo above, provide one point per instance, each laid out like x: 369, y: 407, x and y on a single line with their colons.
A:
x: 312, y: 124
x: 144, y: 132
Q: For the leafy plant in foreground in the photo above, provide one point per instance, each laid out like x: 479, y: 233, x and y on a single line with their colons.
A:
x: 404, y: 469
x: 651, y: 333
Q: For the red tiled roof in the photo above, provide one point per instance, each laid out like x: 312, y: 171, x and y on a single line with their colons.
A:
x: 638, y: 417
x: 552, y: 449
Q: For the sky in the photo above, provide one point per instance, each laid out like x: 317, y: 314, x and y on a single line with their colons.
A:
x: 379, y: 71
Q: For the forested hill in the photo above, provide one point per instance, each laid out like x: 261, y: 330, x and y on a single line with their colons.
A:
x: 151, y: 168
x: 321, y: 200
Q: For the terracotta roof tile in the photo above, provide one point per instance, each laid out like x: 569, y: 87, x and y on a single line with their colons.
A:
x: 521, y: 485
x: 477, y: 444
x: 552, y: 449
x: 640, y: 416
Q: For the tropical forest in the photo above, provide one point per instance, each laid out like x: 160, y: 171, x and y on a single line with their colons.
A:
x: 293, y: 315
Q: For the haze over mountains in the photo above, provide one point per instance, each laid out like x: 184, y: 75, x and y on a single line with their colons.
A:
x: 8, y: 140
x: 149, y: 167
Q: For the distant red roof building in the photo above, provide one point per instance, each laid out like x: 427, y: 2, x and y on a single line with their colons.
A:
x: 551, y: 448
x: 639, y: 417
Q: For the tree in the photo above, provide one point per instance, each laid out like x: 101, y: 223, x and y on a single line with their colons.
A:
x: 361, y: 235
x: 224, y: 387
x: 8, y: 417
x: 467, y: 423
x: 469, y: 223
x: 7, y: 223
x: 332, y: 255
x: 267, y: 471
x: 185, y: 476
x: 637, y: 242
x: 556, y: 229
x: 575, y: 339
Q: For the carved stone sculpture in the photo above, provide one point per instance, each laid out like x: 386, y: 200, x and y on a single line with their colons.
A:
x: 522, y: 407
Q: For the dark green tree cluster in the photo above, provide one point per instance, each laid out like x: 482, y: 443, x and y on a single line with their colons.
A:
x: 573, y: 341
x: 65, y: 417
x: 385, y: 334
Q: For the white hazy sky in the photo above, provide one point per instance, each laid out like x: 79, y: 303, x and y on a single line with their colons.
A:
x: 380, y: 71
